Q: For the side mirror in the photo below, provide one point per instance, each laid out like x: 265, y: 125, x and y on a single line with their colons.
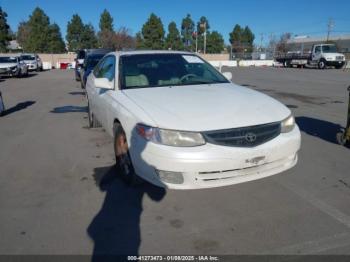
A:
x: 228, y: 75
x: 103, y: 83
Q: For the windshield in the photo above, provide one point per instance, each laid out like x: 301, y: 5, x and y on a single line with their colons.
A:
x: 92, y: 60
x: 329, y: 49
x: 154, y: 70
x: 8, y: 60
x: 28, y: 57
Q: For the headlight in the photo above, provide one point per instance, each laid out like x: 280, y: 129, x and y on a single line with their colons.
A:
x: 170, y: 137
x: 288, y: 124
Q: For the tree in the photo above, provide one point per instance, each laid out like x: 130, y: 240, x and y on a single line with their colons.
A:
x: 106, y: 34
x: 88, y: 37
x: 202, y: 26
x: 55, y: 43
x: 215, y: 43
x: 281, y: 45
x: 241, y: 40
x: 187, y: 29
x: 4, y: 31
x: 39, y: 29
x: 123, y: 39
x: 139, y: 42
x: 173, y: 38
x: 23, y: 33
x: 248, y: 39
x: 153, y: 33
x: 75, y: 29
x: 106, y: 21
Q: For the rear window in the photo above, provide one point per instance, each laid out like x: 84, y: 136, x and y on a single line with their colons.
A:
x: 81, y: 54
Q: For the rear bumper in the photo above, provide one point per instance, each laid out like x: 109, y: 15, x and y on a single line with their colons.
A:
x: 212, y: 165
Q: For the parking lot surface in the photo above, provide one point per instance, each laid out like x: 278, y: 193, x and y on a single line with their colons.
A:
x: 59, y: 193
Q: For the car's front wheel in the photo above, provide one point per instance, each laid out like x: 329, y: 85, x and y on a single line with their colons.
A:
x: 93, y: 123
x: 122, y: 157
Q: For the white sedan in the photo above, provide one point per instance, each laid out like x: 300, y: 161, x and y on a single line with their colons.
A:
x: 179, y: 123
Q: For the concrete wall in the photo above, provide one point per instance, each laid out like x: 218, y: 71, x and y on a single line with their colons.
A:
x: 215, y: 57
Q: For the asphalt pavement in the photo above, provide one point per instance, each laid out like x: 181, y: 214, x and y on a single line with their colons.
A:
x: 59, y: 193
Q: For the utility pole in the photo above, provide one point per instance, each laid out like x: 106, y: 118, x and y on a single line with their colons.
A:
x: 261, y: 41
x: 205, y: 37
x: 329, y: 27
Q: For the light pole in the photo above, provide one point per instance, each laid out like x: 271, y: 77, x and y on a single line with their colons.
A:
x: 205, y: 37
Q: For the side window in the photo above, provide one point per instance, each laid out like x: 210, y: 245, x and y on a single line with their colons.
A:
x: 107, y: 70
x: 97, y: 69
x: 317, y: 49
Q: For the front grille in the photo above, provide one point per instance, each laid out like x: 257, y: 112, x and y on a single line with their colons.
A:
x: 244, y: 136
x: 339, y: 58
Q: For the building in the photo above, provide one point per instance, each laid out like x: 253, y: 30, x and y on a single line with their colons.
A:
x: 305, y: 43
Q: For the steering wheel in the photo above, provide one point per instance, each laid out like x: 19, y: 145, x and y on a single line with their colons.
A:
x: 187, y: 77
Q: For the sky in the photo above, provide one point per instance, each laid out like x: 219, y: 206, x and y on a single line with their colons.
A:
x: 264, y: 17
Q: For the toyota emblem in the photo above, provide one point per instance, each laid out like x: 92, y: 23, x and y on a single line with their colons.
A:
x: 250, y: 137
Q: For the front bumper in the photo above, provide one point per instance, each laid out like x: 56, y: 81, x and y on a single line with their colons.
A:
x: 335, y: 63
x: 213, y: 165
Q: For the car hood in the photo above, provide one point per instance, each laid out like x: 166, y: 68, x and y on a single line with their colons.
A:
x: 207, y: 107
x: 6, y: 65
x: 332, y: 54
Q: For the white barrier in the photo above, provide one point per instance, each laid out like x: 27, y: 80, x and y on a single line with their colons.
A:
x: 223, y: 63
x: 47, y: 65
x: 256, y: 63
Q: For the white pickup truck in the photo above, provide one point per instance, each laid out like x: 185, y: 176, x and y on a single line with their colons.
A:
x: 321, y: 56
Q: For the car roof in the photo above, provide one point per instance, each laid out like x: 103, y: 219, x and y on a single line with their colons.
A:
x: 147, y: 52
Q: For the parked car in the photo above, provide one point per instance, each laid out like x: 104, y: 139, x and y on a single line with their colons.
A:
x: 13, y: 66
x: 33, y: 62
x: 80, y: 59
x: 90, y: 62
x: 2, y: 106
x: 179, y: 123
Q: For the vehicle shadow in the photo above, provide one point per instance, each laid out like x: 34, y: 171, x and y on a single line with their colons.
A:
x: 319, y: 128
x: 70, y: 109
x: 18, y: 107
x: 77, y: 93
x: 115, y: 230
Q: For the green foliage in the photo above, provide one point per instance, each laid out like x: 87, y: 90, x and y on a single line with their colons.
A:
x: 80, y: 36
x: 187, y: 29
x: 173, y: 39
x: 139, y: 42
x: 23, y: 33
x: 202, y: 24
x: 153, y: 33
x: 106, y: 21
x: 241, y: 39
x: 215, y: 43
x: 55, y: 41
x: 106, y: 34
x: 88, y: 37
x: 4, y: 31
x: 75, y: 29
x: 39, y: 31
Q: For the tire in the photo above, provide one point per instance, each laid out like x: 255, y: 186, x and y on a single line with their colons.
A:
x: 341, y: 138
x: 93, y: 122
x: 322, y: 64
x: 123, y: 160
x: 19, y: 75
